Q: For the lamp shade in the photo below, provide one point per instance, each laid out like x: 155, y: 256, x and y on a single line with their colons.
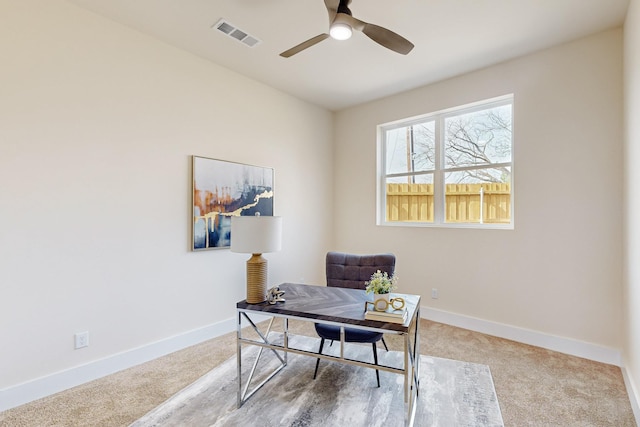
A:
x: 256, y: 234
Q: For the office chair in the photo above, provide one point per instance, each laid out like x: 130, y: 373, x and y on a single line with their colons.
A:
x: 352, y: 271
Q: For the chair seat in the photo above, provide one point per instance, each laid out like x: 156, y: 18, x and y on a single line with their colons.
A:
x: 331, y: 332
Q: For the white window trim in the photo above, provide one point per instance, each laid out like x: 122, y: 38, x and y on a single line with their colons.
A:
x: 438, y: 174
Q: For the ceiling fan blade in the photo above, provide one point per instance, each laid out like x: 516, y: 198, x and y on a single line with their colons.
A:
x: 304, y: 45
x: 380, y: 35
x: 332, y: 8
x: 387, y: 38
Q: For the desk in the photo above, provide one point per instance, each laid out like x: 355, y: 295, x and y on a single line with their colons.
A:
x: 339, y: 307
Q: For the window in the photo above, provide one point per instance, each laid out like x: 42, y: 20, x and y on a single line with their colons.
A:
x: 449, y: 168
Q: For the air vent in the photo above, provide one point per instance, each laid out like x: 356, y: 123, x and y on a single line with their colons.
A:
x: 236, y: 33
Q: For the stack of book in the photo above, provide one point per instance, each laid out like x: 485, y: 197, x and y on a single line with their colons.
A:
x: 390, y: 315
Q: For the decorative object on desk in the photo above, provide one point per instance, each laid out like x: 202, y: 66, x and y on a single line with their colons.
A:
x: 275, y: 295
x: 390, y: 316
x: 383, y: 298
x: 381, y: 284
x: 396, y: 304
x: 222, y: 190
x: 381, y: 310
x: 256, y: 235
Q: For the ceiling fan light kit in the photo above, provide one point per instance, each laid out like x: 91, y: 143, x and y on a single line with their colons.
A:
x: 340, y: 31
x: 341, y: 26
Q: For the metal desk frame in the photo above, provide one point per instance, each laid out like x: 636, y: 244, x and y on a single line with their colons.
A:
x: 410, y: 370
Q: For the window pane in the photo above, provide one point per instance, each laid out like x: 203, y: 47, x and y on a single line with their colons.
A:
x: 481, y: 196
x: 478, y: 138
x: 410, y: 148
x: 472, y: 168
x: 410, y: 199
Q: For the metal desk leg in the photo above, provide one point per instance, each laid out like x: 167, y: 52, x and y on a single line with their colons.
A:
x: 406, y: 369
x: 411, y: 375
x: 416, y: 350
x: 244, y: 395
x: 239, y: 358
x: 286, y: 337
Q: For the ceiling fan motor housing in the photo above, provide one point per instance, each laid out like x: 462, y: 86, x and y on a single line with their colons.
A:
x: 343, y: 7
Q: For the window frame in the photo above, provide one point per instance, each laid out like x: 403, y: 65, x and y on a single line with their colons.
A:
x: 439, y: 171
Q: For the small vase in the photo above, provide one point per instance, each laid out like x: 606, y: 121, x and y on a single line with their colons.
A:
x: 385, y: 297
x: 380, y: 306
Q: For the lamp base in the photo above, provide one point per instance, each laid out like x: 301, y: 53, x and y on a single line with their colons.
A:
x: 256, y: 279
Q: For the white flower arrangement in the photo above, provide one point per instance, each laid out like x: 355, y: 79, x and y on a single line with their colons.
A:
x: 381, y: 283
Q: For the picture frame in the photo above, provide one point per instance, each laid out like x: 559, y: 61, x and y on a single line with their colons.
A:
x: 222, y: 189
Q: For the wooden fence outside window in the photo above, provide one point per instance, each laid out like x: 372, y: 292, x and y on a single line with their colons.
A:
x: 414, y: 203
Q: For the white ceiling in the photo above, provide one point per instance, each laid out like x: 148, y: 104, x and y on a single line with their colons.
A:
x: 450, y: 36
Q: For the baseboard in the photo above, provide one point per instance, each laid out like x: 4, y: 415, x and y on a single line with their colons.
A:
x: 633, y: 396
x: 41, y: 387
x: 550, y: 342
x: 60, y: 381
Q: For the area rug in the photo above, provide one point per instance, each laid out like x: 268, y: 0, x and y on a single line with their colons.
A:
x: 452, y: 393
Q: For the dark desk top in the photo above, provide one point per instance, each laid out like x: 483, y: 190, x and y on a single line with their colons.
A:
x: 339, y: 305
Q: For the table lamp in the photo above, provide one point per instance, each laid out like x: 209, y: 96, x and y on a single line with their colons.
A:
x: 256, y: 235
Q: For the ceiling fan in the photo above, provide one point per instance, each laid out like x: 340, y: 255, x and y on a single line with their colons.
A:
x: 342, y: 24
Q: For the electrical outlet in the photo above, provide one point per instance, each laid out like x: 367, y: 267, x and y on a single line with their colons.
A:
x: 82, y: 339
x: 434, y: 293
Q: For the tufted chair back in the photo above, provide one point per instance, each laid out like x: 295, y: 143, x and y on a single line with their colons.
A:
x: 351, y: 271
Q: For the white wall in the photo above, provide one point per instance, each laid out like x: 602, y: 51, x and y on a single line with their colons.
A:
x: 632, y: 201
x: 559, y: 272
x: 97, y: 126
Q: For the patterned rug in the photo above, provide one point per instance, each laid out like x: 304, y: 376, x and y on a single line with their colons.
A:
x: 452, y: 393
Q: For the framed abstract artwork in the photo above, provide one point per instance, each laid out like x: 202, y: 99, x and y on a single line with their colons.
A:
x: 223, y: 189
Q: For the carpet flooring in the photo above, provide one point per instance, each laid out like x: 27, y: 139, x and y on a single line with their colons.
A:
x: 535, y: 387
x: 453, y: 393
